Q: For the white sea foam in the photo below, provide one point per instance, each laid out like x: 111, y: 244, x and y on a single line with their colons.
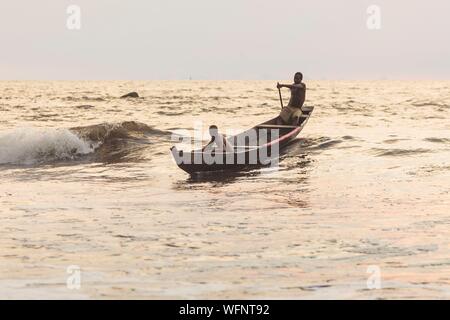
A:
x: 37, y: 145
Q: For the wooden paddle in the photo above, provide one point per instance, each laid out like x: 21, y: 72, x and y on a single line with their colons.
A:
x: 281, y: 98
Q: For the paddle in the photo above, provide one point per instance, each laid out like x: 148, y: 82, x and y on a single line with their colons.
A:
x: 281, y: 98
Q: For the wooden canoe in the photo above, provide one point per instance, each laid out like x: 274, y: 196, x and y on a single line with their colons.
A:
x: 256, y: 147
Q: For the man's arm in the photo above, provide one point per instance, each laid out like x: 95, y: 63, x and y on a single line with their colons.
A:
x: 291, y: 86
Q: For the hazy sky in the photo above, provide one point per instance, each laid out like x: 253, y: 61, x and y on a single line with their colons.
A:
x: 227, y: 39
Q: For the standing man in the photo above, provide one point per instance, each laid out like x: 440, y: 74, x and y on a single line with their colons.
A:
x: 292, y: 112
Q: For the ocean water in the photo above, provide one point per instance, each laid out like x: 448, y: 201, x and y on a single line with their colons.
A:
x: 359, y: 207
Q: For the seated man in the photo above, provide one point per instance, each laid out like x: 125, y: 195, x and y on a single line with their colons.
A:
x: 293, y: 111
x: 218, y: 142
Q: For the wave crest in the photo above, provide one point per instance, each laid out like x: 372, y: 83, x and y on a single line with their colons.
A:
x: 28, y: 146
x: 110, y: 131
x: 104, y: 142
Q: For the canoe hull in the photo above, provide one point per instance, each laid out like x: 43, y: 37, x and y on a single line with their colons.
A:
x: 245, y: 156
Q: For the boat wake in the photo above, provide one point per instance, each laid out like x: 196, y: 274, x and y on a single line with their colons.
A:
x: 321, y: 143
x: 107, y: 142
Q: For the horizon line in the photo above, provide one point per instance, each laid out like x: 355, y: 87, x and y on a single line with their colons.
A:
x: 229, y: 79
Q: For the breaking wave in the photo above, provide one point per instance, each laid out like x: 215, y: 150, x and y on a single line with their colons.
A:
x: 30, y: 146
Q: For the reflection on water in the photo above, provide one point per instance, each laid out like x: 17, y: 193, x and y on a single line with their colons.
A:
x: 88, y: 180
x: 223, y: 177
